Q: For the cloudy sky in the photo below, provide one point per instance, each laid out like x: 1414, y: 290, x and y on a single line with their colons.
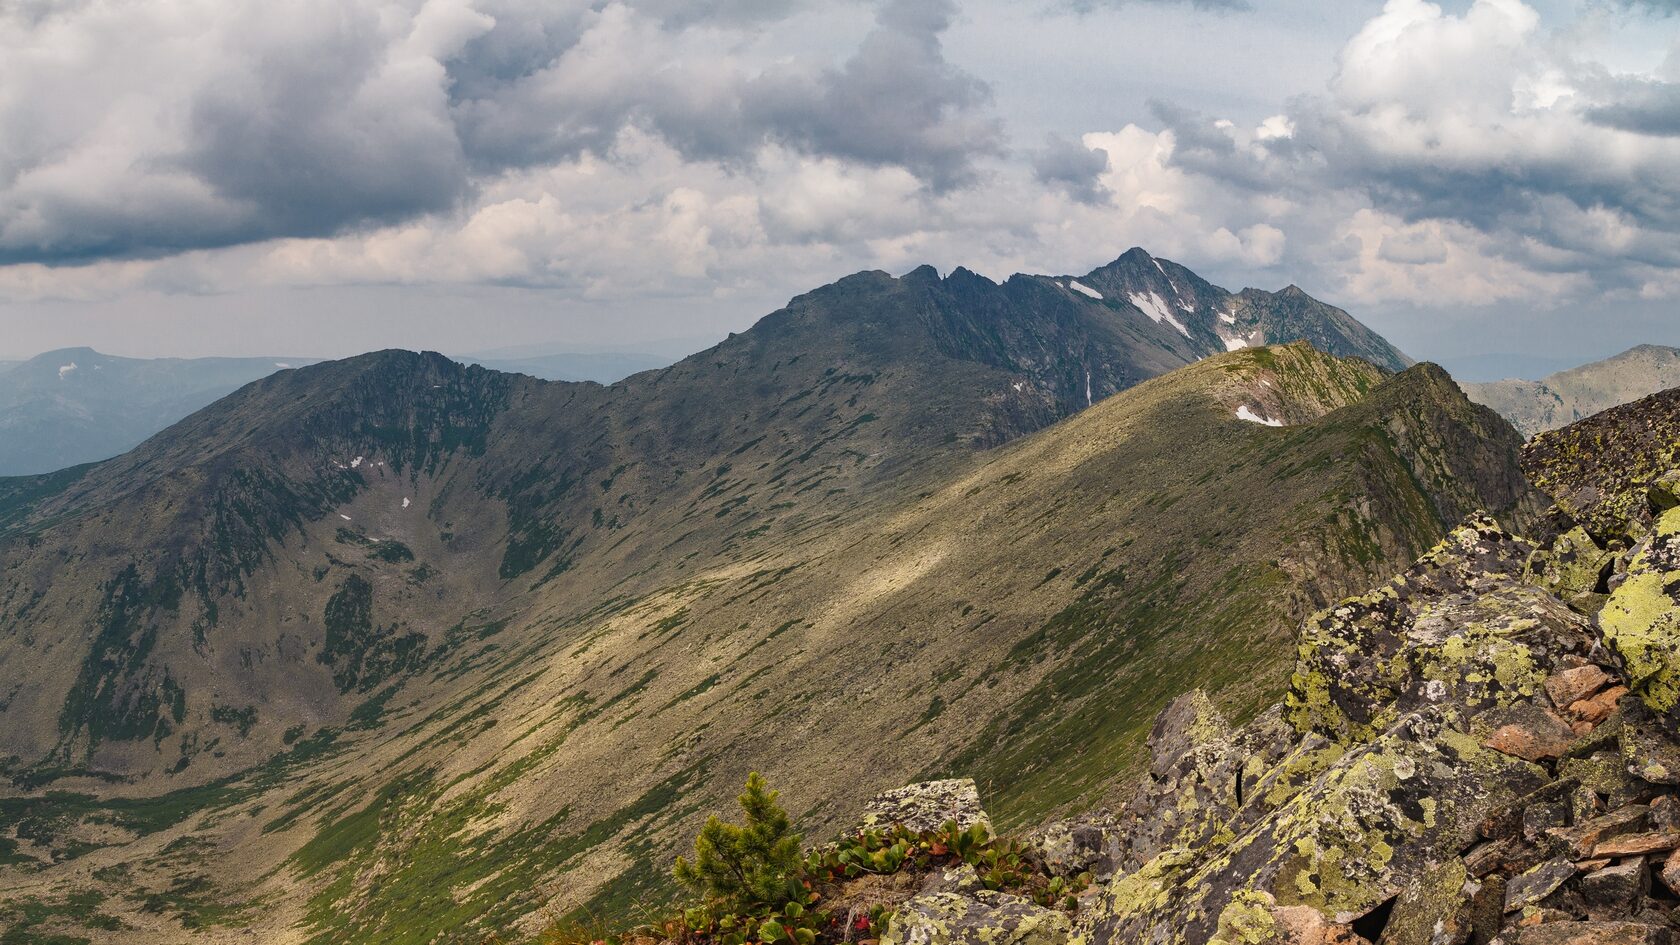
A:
x: 319, y: 177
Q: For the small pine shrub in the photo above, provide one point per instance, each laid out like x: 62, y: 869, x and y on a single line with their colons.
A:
x: 751, y: 865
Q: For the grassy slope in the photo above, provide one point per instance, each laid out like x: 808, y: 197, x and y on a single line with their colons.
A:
x: 1017, y: 615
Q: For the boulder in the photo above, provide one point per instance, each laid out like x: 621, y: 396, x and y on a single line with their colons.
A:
x: 1255, y: 918
x: 1583, y: 838
x: 1664, y: 492
x: 1373, y: 773
x: 927, y: 806
x: 1670, y: 872
x: 1543, y: 817
x: 1638, y: 844
x: 1526, y: 731
x: 1573, y: 568
x: 1200, y: 771
x: 980, y: 918
x: 1086, y: 844
x: 1648, y: 747
x: 1458, y: 629
x: 1605, y: 773
x: 961, y: 878
x: 1376, y: 821
x: 1665, y: 813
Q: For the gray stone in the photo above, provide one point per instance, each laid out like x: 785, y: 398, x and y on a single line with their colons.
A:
x: 1651, y: 754
x: 961, y: 879
x: 1434, y: 911
x: 927, y: 806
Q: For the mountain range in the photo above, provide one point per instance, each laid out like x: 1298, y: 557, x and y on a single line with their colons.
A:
x: 395, y: 649
x: 1566, y: 396
x: 73, y: 406
x: 77, y: 405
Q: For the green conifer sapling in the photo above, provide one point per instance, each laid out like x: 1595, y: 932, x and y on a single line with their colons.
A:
x: 754, y: 864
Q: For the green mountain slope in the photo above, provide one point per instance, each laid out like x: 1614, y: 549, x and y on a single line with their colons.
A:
x: 385, y: 702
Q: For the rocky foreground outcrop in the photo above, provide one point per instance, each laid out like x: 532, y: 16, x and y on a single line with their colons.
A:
x: 1483, y: 750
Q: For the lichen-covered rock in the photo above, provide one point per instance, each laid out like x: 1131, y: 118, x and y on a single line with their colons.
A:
x: 1616, y: 889
x: 1436, y: 910
x: 1524, y: 730
x: 1457, y: 760
x: 1605, y: 773
x: 1641, y: 620
x: 1374, y: 775
x: 1574, y: 568
x: 1458, y: 628
x: 1538, y: 883
x: 981, y: 918
x: 1200, y: 772
x: 961, y: 878
x: 1650, y: 751
x: 1371, y: 825
x: 1255, y: 918
x: 927, y: 806
x: 1585, y: 836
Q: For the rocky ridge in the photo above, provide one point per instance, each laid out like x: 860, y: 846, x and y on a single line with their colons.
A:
x: 1482, y: 750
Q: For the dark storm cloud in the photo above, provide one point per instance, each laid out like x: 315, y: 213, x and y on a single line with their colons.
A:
x: 1649, y: 108
x: 678, y: 13
x: 313, y: 160
x: 897, y: 101
x: 315, y: 119
x: 1072, y: 167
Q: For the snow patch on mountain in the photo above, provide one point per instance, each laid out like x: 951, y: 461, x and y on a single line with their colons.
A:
x: 1244, y: 413
x: 1152, y: 305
